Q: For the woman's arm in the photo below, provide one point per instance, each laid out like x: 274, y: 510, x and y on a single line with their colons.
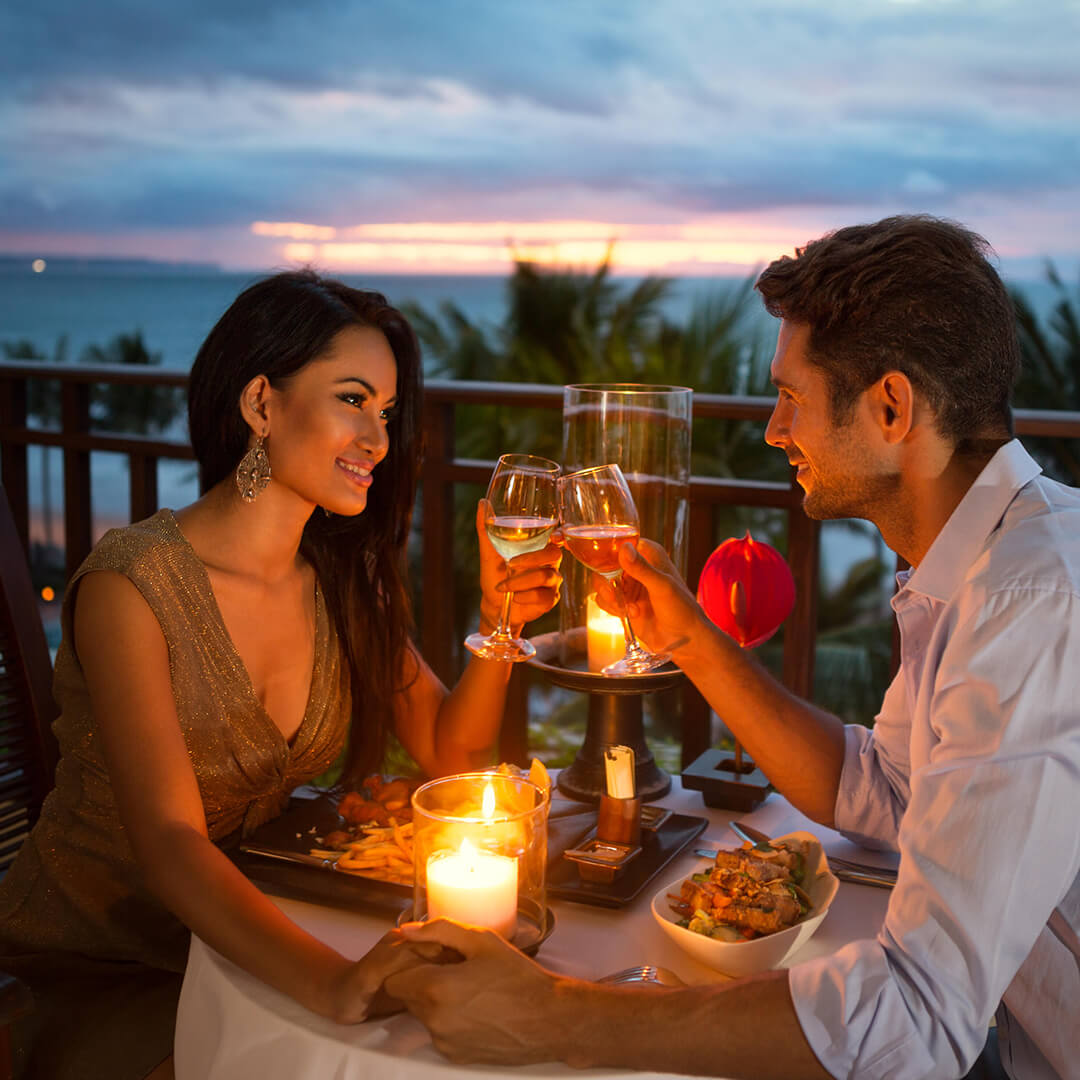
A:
x: 455, y: 732
x: 125, y: 660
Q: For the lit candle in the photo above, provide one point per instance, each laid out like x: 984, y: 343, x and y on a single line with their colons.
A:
x: 605, y: 639
x: 474, y: 887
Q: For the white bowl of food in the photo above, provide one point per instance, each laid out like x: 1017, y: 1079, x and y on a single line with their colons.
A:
x: 752, y: 908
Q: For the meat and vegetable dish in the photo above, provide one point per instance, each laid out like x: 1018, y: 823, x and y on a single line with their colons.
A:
x: 749, y: 892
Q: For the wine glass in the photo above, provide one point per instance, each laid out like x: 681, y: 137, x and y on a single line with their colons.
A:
x: 523, y: 510
x: 598, y: 517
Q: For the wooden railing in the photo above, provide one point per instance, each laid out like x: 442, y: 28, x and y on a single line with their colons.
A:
x: 442, y: 469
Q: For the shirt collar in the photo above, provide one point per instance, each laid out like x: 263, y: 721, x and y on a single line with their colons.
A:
x: 965, y: 534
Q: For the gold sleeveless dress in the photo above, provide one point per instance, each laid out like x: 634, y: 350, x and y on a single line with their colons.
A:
x: 102, y: 956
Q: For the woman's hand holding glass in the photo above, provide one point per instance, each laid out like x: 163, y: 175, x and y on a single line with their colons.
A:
x: 519, y: 574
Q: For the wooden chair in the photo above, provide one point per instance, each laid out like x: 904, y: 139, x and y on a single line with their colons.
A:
x: 28, y: 749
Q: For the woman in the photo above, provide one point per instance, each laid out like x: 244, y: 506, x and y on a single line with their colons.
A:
x: 215, y: 658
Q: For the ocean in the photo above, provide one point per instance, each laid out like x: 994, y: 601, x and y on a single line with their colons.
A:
x: 89, y: 302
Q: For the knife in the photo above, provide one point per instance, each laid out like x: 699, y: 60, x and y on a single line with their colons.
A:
x: 288, y: 856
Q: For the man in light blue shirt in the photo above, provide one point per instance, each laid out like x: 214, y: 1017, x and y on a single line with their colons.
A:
x: 894, y: 366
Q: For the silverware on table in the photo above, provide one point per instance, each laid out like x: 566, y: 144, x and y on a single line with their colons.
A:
x: 287, y: 856
x: 749, y: 833
x: 643, y: 973
x: 864, y: 877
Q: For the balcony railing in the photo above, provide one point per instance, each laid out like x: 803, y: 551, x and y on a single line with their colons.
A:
x: 441, y: 471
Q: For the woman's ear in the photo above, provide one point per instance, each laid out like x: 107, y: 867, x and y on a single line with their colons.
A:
x: 253, y: 405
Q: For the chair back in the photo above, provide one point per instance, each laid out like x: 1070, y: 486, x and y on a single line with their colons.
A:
x: 28, y: 748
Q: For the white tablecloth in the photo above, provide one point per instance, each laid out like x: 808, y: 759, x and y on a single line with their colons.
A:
x: 231, y: 1025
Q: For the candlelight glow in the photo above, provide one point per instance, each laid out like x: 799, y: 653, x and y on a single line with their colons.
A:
x: 487, y: 807
x: 605, y: 639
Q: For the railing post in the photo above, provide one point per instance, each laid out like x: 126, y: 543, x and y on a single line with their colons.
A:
x: 437, y: 511
x: 696, y: 714
x: 75, y: 419
x: 143, y: 486
x: 13, y: 464
x: 800, y: 633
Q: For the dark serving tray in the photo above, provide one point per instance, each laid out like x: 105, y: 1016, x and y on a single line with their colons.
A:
x: 658, y: 847
x: 276, y: 856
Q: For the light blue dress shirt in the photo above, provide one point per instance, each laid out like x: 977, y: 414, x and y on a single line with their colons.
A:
x: 971, y: 772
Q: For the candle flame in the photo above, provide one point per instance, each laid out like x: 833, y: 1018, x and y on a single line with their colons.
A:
x: 488, y: 804
x: 467, y: 851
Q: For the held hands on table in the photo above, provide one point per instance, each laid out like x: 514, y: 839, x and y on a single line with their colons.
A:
x: 533, y: 578
x: 495, y: 1006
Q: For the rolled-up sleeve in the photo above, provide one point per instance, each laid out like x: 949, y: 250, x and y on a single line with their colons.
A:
x: 989, y: 844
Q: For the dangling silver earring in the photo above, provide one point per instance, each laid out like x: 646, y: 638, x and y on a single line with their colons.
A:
x: 328, y: 513
x: 253, y: 472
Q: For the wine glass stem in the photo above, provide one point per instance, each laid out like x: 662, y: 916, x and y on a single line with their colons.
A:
x: 502, y: 631
x: 633, y: 646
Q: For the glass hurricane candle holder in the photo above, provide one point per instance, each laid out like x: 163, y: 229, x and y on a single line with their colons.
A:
x: 645, y: 430
x: 480, y: 854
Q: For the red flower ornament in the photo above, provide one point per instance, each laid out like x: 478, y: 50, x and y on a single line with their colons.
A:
x: 746, y: 588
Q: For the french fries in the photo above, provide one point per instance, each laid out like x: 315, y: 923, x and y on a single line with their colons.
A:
x: 383, y: 852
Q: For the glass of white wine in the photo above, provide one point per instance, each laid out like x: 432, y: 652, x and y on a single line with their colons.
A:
x: 523, y: 510
x: 598, y: 517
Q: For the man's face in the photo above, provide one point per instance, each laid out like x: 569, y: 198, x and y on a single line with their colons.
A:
x: 839, y: 466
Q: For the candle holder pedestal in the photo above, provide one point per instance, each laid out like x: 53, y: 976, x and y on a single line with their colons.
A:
x: 615, y: 716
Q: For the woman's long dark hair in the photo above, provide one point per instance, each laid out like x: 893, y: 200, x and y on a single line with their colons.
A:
x: 274, y: 328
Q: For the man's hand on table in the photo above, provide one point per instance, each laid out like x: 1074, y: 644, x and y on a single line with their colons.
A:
x: 495, y: 1007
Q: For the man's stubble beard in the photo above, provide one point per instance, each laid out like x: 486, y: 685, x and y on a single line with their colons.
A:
x: 866, y: 497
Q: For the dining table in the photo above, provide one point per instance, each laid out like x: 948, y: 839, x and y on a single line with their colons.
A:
x: 232, y: 1026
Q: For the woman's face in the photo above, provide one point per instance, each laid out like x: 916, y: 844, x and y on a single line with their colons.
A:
x: 328, y: 422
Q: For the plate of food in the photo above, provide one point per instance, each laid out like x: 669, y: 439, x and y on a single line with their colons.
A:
x: 752, y: 907
x: 362, y: 837
x: 357, y: 847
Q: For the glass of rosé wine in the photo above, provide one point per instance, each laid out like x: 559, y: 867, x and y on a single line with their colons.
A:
x: 599, y: 516
x: 523, y: 511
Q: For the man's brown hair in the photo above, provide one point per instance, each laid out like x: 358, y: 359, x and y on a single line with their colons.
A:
x: 915, y: 294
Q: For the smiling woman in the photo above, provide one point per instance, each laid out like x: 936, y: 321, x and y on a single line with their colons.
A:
x: 215, y: 658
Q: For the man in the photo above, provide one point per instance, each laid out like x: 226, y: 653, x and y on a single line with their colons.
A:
x: 894, y: 365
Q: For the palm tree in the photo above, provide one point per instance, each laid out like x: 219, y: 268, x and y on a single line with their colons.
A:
x: 120, y: 407
x: 1050, y: 378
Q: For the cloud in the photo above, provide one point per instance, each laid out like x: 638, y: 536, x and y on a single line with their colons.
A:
x: 122, y: 115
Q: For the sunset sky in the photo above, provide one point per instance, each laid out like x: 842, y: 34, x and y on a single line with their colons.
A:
x: 410, y: 136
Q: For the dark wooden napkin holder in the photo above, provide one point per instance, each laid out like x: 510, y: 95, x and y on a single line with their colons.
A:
x: 714, y: 775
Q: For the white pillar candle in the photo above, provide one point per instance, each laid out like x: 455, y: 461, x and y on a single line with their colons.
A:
x: 604, y: 637
x: 474, y: 887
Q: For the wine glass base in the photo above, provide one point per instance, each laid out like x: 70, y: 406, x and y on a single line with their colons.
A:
x: 512, y: 651
x: 637, y: 665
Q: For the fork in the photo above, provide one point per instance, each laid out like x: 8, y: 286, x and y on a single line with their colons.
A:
x: 862, y: 868
x: 643, y: 973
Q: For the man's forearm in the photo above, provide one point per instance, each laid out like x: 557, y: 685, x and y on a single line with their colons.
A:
x: 798, y: 746
x: 739, y: 1029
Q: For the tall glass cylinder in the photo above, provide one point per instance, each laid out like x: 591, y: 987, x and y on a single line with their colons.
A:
x: 645, y: 430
